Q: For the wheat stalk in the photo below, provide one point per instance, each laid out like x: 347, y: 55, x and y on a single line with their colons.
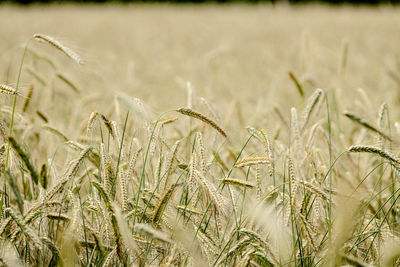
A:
x: 219, y: 160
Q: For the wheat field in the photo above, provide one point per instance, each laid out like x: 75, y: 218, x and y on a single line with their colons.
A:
x: 183, y: 135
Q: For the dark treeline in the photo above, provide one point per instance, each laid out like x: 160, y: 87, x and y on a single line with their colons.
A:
x: 370, y: 2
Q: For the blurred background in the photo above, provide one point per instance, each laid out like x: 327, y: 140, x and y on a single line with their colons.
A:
x: 237, y: 55
x: 373, y: 2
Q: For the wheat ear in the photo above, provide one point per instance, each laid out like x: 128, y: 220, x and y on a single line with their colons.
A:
x: 133, y: 160
x: 91, y: 121
x: 252, y: 161
x: 237, y: 182
x: 149, y: 231
x: 108, y: 125
x: 4, y: 225
x: 28, y: 99
x: 361, y: 121
x: 258, y: 182
x: 167, y: 168
x: 44, y: 176
x: 114, y: 223
x: 55, y: 132
x: 296, y: 82
x: 24, y: 157
x: 109, y: 258
x: 6, y: 89
x: 24, y: 228
x: 106, y: 170
x: 42, y: 116
x: 292, y: 186
x: 68, y: 174
x: 191, y: 113
x: 123, y: 190
x: 56, y: 44
x: 192, y: 175
x: 163, y: 203
x: 36, y: 75
x: 68, y: 82
x: 201, y: 153
x: 314, y: 189
x: 269, y: 149
x: 294, y: 125
x: 118, y: 140
x: 266, y: 245
x: 311, y: 103
x: 189, y: 209
x: 210, y: 191
x: 375, y: 150
x: 14, y: 187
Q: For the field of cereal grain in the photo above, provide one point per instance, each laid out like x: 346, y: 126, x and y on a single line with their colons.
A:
x: 183, y: 135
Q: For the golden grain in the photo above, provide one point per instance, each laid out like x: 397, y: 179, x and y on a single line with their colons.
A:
x: 191, y: 113
x: 56, y: 44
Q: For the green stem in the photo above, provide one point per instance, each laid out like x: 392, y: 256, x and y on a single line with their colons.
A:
x: 330, y: 173
x: 143, y: 172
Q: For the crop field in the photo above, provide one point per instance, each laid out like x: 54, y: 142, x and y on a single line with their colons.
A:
x: 183, y: 135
